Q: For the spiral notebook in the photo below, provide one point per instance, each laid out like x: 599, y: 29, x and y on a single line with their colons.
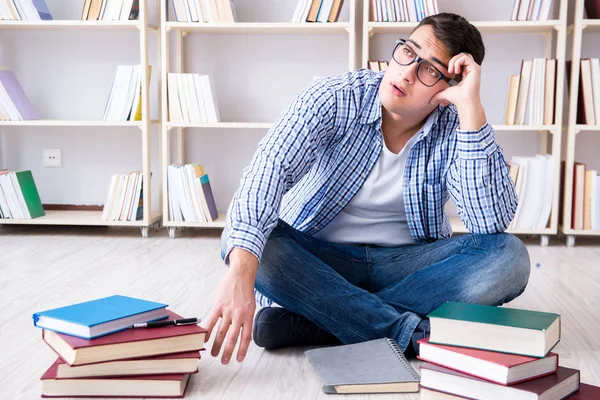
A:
x: 374, y: 366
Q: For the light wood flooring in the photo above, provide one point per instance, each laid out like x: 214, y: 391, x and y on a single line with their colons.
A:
x: 46, y: 267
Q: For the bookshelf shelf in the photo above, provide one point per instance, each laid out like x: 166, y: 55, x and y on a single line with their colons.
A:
x: 74, y: 25
x: 483, y: 26
x: 580, y: 25
x: 261, y: 27
x: 222, y: 125
x: 94, y: 218
x: 75, y: 217
x: 458, y: 227
x: 537, y: 128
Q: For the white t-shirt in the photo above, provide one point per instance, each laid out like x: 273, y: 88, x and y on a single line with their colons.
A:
x: 376, y: 214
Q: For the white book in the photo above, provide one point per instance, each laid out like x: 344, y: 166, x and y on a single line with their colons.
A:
x: 201, y: 100
x: 595, y: 66
x: 535, y: 14
x: 182, y: 13
x: 412, y: 11
x: 18, y: 15
x: 111, y: 95
x: 19, y: 193
x: 11, y: 197
x: 547, y: 193
x: 297, y: 10
x: 114, y: 181
x: 175, y: 213
x: 4, y: 11
x: 119, y: 106
x: 126, y: 10
x: 192, y: 99
x: 183, y: 98
x: 588, y: 96
x: 515, y: 11
x: 202, y: 7
x: 175, y: 111
x: 29, y: 9
x: 183, y: 195
x: 192, y: 10
x: 4, y: 204
x: 136, y: 196
x: 546, y: 10
x: 596, y: 205
x: 210, y: 97
x: 116, y: 210
x: 191, y: 180
x: 8, y: 105
x: 133, y: 93
x: 540, y: 93
x: 520, y: 185
x: 131, y: 181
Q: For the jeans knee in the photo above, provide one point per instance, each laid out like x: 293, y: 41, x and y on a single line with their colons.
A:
x: 517, y: 259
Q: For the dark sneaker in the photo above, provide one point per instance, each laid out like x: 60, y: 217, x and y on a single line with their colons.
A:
x: 276, y: 327
x: 421, y: 332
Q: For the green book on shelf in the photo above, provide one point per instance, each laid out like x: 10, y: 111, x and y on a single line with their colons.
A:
x: 30, y: 193
x: 502, y: 329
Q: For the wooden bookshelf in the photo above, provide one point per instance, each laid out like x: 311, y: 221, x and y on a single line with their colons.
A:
x: 549, y: 134
x: 580, y: 25
x: 142, y: 28
x: 178, y: 30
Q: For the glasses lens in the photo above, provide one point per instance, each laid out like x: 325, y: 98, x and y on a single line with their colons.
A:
x: 404, y: 54
x: 428, y: 74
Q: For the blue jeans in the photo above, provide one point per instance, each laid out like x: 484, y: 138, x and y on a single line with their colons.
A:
x: 363, y: 292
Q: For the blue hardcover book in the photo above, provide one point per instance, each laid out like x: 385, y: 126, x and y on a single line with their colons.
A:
x: 100, y: 317
x: 42, y: 9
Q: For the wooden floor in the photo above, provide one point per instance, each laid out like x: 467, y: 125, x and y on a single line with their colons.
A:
x: 46, y: 267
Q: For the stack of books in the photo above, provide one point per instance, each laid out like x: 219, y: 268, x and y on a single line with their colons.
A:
x: 14, y: 104
x: 531, y: 94
x: 402, y: 10
x: 125, y: 198
x: 317, y: 11
x: 204, y: 11
x: 190, y: 194
x: 125, y: 98
x: 483, y: 352
x: 531, y: 10
x: 192, y: 98
x: 101, y: 354
x: 110, y: 10
x: 26, y: 10
x: 19, y: 197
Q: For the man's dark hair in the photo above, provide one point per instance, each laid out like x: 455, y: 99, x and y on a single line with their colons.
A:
x: 457, y: 34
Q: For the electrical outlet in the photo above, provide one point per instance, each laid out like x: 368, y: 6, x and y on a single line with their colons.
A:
x: 52, y: 158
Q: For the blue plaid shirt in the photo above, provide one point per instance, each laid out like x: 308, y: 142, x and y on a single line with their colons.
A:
x: 322, y: 148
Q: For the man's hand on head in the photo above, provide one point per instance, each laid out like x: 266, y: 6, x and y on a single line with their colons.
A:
x: 465, y: 96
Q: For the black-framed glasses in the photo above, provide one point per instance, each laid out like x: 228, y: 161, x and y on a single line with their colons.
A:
x: 426, y: 72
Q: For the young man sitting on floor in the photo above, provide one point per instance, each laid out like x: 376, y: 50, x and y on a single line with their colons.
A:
x: 360, y: 247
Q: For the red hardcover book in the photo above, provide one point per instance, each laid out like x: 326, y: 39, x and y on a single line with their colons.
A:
x: 127, y: 344
x: 180, y: 363
x: 163, y: 386
x: 556, y: 386
x: 501, y: 368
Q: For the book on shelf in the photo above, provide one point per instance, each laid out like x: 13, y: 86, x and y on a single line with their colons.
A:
x: 374, y: 366
x: 99, y: 317
x: 586, y: 198
x: 24, y: 10
x: 378, y: 66
x: 531, y: 94
x: 190, y: 194
x: 213, y: 11
x: 534, y: 186
x: 192, y: 98
x: 110, y: 10
x: 592, y: 9
x: 125, y: 201
x: 401, y: 10
x: 125, y: 98
x: 128, y: 344
x: 149, y: 386
x: 19, y: 197
x: 500, y: 329
x: 588, y: 91
x: 504, y: 369
x: 555, y: 386
x: 532, y: 10
x: 317, y: 11
x: 177, y: 363
x: 14, y: 104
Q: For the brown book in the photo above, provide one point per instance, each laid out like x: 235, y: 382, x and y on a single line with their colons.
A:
x: 590, y: 178
x: 313, y: 13
x: 179, y: 363
x: 511, y: 99
x: 592, y: 9
x: 95, y: 9
x: 550, y: 92
x: 136, y: 386
x: 586, y: 392
x: 556, y: 386
x: 374, y: 66
x: 335, y: 11
x: 524, y: 84
x: 127, y: 344
x: 86, y: 9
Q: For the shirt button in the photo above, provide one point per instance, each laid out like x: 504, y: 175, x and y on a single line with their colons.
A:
x: 340, y: 203
x: 363, y: 175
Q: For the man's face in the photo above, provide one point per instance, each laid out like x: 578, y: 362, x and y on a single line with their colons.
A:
x: 401, y: 92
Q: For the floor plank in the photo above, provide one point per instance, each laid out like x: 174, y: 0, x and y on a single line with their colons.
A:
x: 46, y: 267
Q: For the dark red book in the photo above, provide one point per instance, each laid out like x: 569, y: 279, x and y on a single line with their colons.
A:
x: 501, y: 368
x: 163, y: 386
x: 586, y: 392
x: 592, y: 9
x: 558, y: 385
x: 127, y: 344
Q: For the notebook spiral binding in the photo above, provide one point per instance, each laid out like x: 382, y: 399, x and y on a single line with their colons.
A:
x: 400, y: 356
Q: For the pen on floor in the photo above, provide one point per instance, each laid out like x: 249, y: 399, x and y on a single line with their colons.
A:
x: 173, y: 322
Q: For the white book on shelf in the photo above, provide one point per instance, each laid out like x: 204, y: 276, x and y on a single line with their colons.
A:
x: 540, y: 91
x: 6, y: 214
x: 174, y: 105
x: 137, y: 193
x: 4, y: 11
x: 210, y: 97
x: 8, y: 105
x: 545, y: 10
x: 596, y: 205
x: 112, y: 188
x: 595, y: 69
x: 131, y: 179
x: 588, y: 96
x: 520, y: 185
x: 183, y: 98
x: 297, y: 11
x: 547, y: 192
x: 27, y: 9
x: 524, y: 82
x: 128, y: 94
x: 191, y: 98
x: 324, y: 10
x: 19, y: 193
x: 123, y: 76
x: 535, y: 10
x: 191, y: 181
x: 197, y: 87
x: 12, y: 4
x: 183, y: 194
x: 515, y: 11
x: 192, y: 10
x: 126, y: 10
x: 202, y: 6
x: 182, y: 13
x: 116, y: 210
x: 11, y: 197
x: 175, y: 213
x: 133, y: 94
